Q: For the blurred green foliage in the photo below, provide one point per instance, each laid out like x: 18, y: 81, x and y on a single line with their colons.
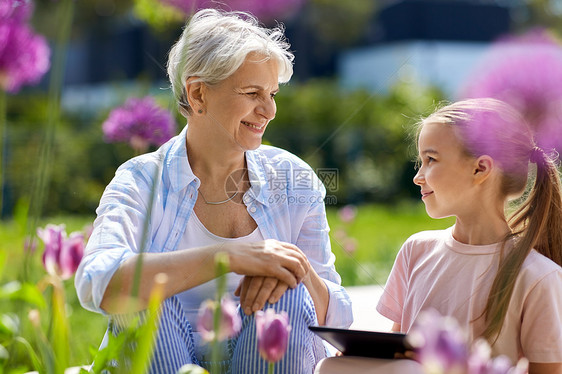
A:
x: 82, y: 163
x: 366, y: 137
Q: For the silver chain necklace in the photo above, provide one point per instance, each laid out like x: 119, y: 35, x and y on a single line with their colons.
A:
x: 218, y: 202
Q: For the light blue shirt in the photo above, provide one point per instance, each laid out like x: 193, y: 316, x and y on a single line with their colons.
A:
x: 286, y: 200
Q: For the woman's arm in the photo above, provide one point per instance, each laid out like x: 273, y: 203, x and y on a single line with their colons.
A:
x: 188, y: 268
x: 320, y: 295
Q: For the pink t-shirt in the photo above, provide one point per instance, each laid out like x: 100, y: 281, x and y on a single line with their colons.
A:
x: 433, y: 270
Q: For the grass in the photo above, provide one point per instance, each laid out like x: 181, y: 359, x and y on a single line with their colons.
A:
x: 86, y: 328
x: 378, y: 231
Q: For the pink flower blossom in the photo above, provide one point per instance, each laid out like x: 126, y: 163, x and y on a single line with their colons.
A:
x: 62, y: 254
x: 348, y: 213
x: 439, y: 343
x: 442, y: 347
x: 230, y: 323
x: 140, y: 122
x: 24, y: 55
x: 350, y: 245
x: 526, y: 72
x: 273, y: 334
x: 263, y: 10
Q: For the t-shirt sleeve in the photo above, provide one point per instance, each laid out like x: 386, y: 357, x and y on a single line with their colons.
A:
x: 541, y: 325
x: 391, y: 303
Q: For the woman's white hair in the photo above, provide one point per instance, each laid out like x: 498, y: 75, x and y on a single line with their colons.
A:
x: 215, y: 43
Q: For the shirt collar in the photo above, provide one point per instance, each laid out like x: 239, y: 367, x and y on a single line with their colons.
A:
x: 177, y: 167
x: 257, y: 175
x: 180, y: 174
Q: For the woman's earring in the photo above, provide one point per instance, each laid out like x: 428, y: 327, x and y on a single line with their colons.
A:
x: 200, y: 111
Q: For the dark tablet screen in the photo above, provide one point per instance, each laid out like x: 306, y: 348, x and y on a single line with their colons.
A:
x: 363, y: 343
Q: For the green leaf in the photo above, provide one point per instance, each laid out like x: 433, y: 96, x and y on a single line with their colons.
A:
x: 26, y: 292
x: 3, y: 256
x: 21, y: 212
x: 9, y: 325
x: 32, y: 355
x: 4, y: 355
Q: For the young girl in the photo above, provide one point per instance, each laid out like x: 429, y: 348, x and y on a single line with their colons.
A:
x: 500, y: 278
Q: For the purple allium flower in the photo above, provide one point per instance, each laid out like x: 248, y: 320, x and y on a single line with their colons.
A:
x: 440, y: 344
x: 230, y: 323
x: 62, y: 255
x: 263, y: 10
x: 273, y: 334
x: 15, y: 10
x: 526, y: 72
x: 24, y: 56
x: 140, y: 122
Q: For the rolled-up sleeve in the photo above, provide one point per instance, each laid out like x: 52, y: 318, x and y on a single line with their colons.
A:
x: 116, y: 236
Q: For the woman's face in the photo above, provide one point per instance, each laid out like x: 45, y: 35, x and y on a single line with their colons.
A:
x: 244, y: 103
x: 446, y: 173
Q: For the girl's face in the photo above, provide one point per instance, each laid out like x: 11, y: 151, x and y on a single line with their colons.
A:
x: 446, y: 172
x: 244, y: 103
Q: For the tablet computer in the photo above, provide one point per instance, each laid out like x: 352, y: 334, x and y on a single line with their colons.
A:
x: 363, y: 343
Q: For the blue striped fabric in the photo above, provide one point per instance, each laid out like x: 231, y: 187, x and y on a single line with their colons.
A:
x: 175, y: 345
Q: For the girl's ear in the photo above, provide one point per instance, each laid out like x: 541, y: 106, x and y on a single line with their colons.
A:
x: 195, y: 92
x: 483, y: 168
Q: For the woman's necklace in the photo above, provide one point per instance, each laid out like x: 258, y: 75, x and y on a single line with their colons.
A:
x: 218, y: 202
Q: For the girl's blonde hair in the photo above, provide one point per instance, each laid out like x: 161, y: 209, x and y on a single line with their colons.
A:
x: 491, y: 127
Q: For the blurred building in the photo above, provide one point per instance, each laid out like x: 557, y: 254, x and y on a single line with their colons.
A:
x: 425, y: 41
x: 430, y: 42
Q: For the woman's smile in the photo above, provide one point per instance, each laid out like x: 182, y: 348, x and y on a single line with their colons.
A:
x: 255, y: 127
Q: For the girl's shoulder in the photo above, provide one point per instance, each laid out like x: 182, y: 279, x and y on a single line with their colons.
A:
x: 426, y: 243
x: 537, y: 267
x: 429, y: 237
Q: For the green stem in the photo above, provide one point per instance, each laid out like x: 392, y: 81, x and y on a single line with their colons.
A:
x: 271, y: 367
x: 3, y: 133
x: 145, y: 229
x: 221, y: 268
x: 65, y: 15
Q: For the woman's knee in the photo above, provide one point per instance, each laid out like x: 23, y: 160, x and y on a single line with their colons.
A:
x: 298, y: 304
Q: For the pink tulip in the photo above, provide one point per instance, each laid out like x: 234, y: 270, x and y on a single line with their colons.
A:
x: 62, y: 254
x: 273, y: 334
x: 52, y: 236
x: 71, y: 254
x: 230, y: 323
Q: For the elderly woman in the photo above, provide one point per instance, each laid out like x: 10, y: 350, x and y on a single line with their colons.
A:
x: 214, y: 188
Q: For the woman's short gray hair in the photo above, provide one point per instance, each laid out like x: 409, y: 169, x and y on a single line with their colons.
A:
x: 215, y: 43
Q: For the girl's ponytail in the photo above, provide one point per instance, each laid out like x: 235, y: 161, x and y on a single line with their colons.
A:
x: 536, y: 224
x: 540, y: 217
